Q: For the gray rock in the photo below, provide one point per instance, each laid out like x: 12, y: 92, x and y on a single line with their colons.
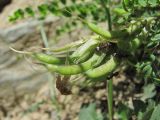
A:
x: 17, y: 74
x: 14, y: 33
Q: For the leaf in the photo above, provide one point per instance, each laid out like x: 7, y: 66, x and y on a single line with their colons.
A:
x: 89, y: 113
x: 153, y: 2
x: 147, y: 70
x: 123, y: 112
x: 142, y: 2
x: 157, y: 81
x: 152, y: 44
x: 152, y: 57
x: 146, y: 114
x: 30, y: 11
x: 156, y: 113
x: 43, y: 9
x: 18, y: 14
x: 66, y: 12
x: 156, y: 38
x: 148, y: 91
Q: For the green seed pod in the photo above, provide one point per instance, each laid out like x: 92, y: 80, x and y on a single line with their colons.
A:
x: 98, y: 30
x: 92, y: 62
x: 89, y: 46
x: 83, y: 58
x: 65, y: 69
x: 47, y: 58
x: 74, y: 69
x: 100, y: 59
x: 120, y: 11
x: 67, y: 46
x: 104, y: 69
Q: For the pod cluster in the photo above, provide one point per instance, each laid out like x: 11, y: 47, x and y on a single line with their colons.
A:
x: 86, y: 59
x: 98, y: 56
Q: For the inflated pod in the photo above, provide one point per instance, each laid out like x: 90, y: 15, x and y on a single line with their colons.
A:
x: 40, y: 56
x: 83, y: 58
x: 100, y: 59
x: 71, y: 45
x: 93, y: 61
x: 74, y: 69
x: 47, y: 58
x: 65, y: 69
x: 100, y: 31
x: 87, y: 47
x: 120, y: 11
x: 104, y: 69
x: 107, y: 35
x: 67, y: 47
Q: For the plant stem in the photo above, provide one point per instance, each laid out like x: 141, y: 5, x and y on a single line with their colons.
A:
x: 43, y: 34
x: 107, y: 9
x: 110, y: 98
x: 110, y: 81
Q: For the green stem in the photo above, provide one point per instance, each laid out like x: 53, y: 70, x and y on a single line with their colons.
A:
x: 110, y: 98
x: 109, y: 82
x: 107, y: 9
x: 44, y: 36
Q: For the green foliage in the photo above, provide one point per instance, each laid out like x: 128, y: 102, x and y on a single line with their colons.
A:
x: 145, y: 111
x: 82, y: 9
x: 17, y: 15
x: 89, y: 113
x: 123, y: 112
x: 29, y: 11
x: 148, y: 91
x: 85, y: 9
x: 155, y: 115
